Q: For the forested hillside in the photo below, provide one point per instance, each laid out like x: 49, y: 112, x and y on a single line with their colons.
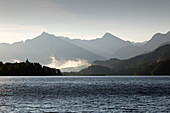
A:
x: 156, y: 62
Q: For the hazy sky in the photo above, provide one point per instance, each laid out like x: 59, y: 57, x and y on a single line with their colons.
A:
x: 134, y: 20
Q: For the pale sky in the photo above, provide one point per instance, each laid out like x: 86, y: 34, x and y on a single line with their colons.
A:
x: 134, y: 20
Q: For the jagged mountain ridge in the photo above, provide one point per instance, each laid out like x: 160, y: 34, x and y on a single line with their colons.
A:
x: 42, y: 47
x: 104, y: 46
x: 133, y: 50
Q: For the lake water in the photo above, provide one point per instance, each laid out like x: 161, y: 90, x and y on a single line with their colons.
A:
x: 84, y: 94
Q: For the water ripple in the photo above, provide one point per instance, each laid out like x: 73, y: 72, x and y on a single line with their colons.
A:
x: 85, y: 94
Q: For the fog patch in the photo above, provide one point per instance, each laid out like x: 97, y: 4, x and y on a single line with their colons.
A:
x: 68, y: 65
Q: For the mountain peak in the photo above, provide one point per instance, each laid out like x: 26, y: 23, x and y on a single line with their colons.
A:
x: 108, y: 35
x: 44, y: 33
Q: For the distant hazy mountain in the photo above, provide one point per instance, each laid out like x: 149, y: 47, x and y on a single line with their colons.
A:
x: 104, y: 46
x: 134, y: 50
x: 42, y: 47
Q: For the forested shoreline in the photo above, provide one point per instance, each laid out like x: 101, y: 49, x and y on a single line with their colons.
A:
x: 27, y: 69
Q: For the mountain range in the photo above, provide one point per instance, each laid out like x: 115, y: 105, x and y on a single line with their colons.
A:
x: 104, y: 47
x: 42, y: 47
x: 110, y: 46
x: 134, y: 50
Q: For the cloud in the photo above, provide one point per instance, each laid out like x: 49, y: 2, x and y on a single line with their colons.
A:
x: 68, y: 65
x: 74, y: 63
x: 54, y: 63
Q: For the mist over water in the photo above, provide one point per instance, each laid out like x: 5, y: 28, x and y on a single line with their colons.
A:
x: 68, y: 65
x: 85, y: 94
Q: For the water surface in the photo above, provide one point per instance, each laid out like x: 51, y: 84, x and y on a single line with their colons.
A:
x: 84, y: 94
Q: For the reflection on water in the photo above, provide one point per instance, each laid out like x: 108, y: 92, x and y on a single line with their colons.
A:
x: 85, y: 94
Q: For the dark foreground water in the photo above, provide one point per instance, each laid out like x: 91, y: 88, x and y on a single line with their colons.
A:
x: 84, y: 94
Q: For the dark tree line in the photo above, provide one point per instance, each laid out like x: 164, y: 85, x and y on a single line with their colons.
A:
x: 27, y: 68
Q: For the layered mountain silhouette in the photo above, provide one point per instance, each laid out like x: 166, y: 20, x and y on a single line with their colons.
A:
x: 104, y: 46
x: 159, y: 54
x: 134, y: 50
x: 40, y: 48
x: 156, y: 62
